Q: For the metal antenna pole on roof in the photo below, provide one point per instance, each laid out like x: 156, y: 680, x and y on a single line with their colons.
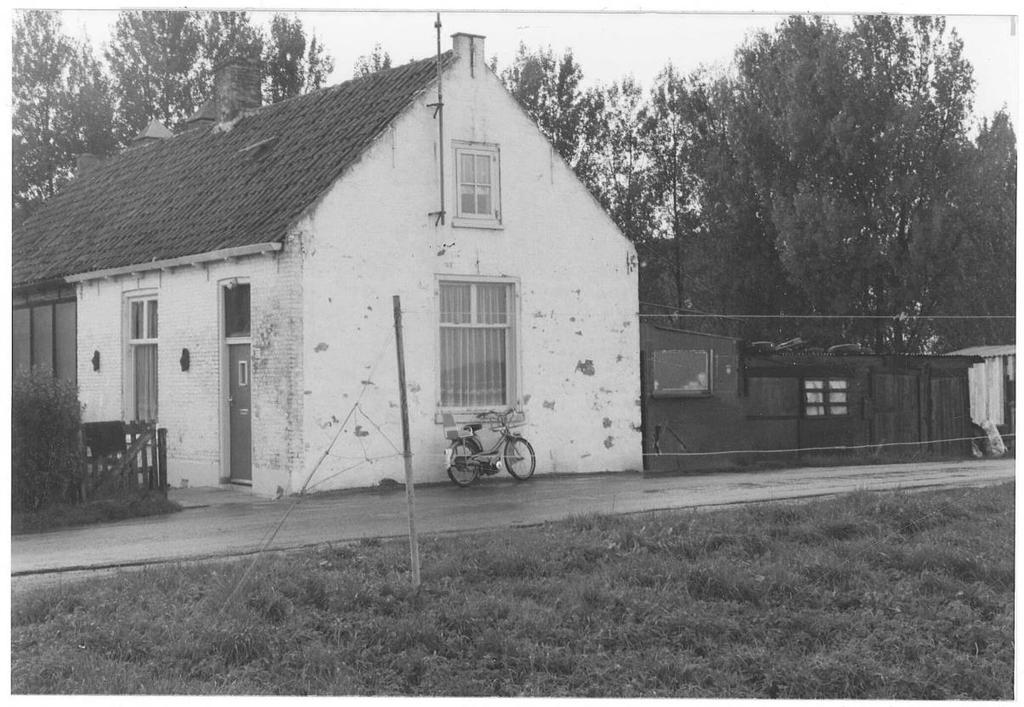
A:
x: 439, y: 114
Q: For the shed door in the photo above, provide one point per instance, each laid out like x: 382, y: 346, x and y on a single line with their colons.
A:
x: 239, y: 412
x: 896, y: 408
x: 949, y: 407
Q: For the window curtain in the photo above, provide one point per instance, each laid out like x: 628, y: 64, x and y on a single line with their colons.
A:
x: 145, y: 381
x: 472, y: 367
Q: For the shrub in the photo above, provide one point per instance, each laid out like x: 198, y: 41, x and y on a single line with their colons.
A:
x: 46, y: 455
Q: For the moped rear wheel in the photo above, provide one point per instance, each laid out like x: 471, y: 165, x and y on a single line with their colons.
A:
x: 464, y: 470
x: 519, y: 458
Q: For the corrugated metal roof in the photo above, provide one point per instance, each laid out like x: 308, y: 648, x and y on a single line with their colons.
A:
x: 988, y: 351
x: 203, y: 190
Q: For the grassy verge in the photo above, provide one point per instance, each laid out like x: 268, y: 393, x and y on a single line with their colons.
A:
x: 866, y: 596
x: 101, y: 511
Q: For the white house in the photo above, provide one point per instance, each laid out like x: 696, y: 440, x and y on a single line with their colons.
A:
x: 234, y: 282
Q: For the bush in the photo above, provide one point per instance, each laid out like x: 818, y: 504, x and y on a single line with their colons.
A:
x: 46, y: 456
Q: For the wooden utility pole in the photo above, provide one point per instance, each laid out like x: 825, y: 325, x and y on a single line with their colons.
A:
x: 410, y: 495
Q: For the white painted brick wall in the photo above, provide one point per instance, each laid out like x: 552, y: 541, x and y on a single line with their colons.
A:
x: 191, y: 403
x: 371, y: 238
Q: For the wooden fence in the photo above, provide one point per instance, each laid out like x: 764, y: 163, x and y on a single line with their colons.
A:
x: 123, y: 456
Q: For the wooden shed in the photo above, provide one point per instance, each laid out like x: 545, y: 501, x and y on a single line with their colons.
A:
x: 711, y: 401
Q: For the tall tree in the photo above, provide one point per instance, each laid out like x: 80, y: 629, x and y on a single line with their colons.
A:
x: 291, y: 64
x: 620, y: 177
x: 163, y: 61
x: 550, y: 91
x: 376, y: 60
x: 61, y: 107
x: 319, y: 65
x: 226, y: 35
x: 733, y: 265
x: 979, y: 282
x: 854, y: 140
x: 667, y: 133
x: 157, y: 62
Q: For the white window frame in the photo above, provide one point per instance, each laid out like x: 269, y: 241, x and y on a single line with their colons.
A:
x: 131, y: 343
x: 829, y: 396
x: 493, y: 219
x: 513, y: 370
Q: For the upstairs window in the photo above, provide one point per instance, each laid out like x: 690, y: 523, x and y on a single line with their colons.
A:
x: 477, y: 182
x: 825, y: 397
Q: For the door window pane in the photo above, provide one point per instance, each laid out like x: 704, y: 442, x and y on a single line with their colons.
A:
x: 236, y: 311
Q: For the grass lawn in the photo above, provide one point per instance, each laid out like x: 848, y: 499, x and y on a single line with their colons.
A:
x: 905, y: 595
x: 106, y: 510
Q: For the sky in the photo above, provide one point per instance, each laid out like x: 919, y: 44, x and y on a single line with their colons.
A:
x: 616, y: 40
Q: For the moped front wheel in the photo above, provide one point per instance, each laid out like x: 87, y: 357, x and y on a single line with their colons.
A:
x: 520, y: 460
x: 464, y: 469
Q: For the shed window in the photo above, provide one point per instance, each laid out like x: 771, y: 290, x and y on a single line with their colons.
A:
x: 681, y: 372
x: 826, y: 397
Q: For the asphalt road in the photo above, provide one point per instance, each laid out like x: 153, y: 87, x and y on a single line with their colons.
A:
x: 226, y: 523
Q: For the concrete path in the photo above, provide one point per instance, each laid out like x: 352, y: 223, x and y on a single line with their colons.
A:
x: 229, y: 522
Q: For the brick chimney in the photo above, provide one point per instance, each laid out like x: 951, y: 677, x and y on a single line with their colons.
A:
x: 236, y: 87
x: 470, y: 49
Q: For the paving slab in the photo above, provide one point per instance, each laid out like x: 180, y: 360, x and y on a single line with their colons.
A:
x: 226, y: 522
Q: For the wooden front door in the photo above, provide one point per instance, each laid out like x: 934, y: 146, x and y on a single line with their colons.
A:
x: 240, y: 412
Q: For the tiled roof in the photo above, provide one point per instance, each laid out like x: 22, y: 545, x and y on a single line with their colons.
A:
x: 203, y: 190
